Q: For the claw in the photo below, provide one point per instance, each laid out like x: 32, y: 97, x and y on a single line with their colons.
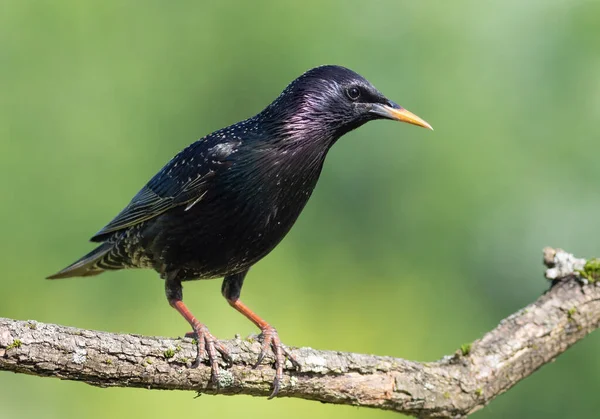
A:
x: 270, y: 340
x: 208, y: 346
x: 224, y: 352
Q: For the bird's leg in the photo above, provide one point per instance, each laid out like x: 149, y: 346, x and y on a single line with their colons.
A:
x: 231, y: 289
x: 205, y: 341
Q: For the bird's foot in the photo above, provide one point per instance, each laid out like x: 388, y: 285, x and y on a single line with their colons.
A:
x: 208, y: 346
x: 270, y: 340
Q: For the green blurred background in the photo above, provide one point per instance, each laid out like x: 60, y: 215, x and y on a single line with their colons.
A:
x: 414, y: 241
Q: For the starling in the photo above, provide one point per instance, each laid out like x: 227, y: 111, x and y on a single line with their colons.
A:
x: 225, y: 201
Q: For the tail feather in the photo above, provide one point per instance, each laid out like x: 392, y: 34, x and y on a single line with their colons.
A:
x: 87, y: 265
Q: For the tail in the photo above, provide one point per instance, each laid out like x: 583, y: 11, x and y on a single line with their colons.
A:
x: 88, y: 265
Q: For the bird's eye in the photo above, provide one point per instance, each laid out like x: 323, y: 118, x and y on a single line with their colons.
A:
x: 353, y: 93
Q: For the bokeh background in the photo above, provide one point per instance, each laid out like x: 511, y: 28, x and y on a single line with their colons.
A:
x: 414, y: 241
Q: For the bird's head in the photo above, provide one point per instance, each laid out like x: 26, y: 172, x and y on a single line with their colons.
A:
x: 328, y: 101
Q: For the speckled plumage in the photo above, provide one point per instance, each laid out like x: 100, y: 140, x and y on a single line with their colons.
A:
x: 228, y: 199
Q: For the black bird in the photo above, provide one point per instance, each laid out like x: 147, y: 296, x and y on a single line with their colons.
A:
x: 225, y: 201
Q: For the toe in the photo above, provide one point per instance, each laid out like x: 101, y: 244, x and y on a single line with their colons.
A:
x: 291, y: 357
x: 271, y: 341
x: 208, y: 346
x: 222, y: 349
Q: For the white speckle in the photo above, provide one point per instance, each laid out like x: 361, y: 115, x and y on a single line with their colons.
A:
x: 223, y: 150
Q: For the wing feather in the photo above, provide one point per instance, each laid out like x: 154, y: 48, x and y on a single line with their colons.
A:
x: 176, y: 184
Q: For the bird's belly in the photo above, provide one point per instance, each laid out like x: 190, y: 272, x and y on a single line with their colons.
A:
x: 216, y: 242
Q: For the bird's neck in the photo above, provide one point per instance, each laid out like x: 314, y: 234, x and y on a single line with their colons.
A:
x: 304, y: 132
x: 282, y: 152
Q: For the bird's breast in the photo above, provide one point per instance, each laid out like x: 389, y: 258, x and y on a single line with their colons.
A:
x: 267, y: 194
x: 245, y: 213
x: 276, y: 189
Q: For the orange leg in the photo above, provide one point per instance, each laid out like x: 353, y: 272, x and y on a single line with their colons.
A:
x: 270, y: 338
x: 206, y: 342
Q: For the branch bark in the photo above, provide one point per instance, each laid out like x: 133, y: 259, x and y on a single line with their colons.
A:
x: 454, y: 386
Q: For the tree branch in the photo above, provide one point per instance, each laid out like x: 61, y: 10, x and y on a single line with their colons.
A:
x: 452, y: 387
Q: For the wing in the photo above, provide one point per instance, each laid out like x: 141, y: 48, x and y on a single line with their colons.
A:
x: 182, y: 181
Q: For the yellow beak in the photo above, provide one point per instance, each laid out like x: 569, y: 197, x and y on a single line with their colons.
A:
x: 399, y: 114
